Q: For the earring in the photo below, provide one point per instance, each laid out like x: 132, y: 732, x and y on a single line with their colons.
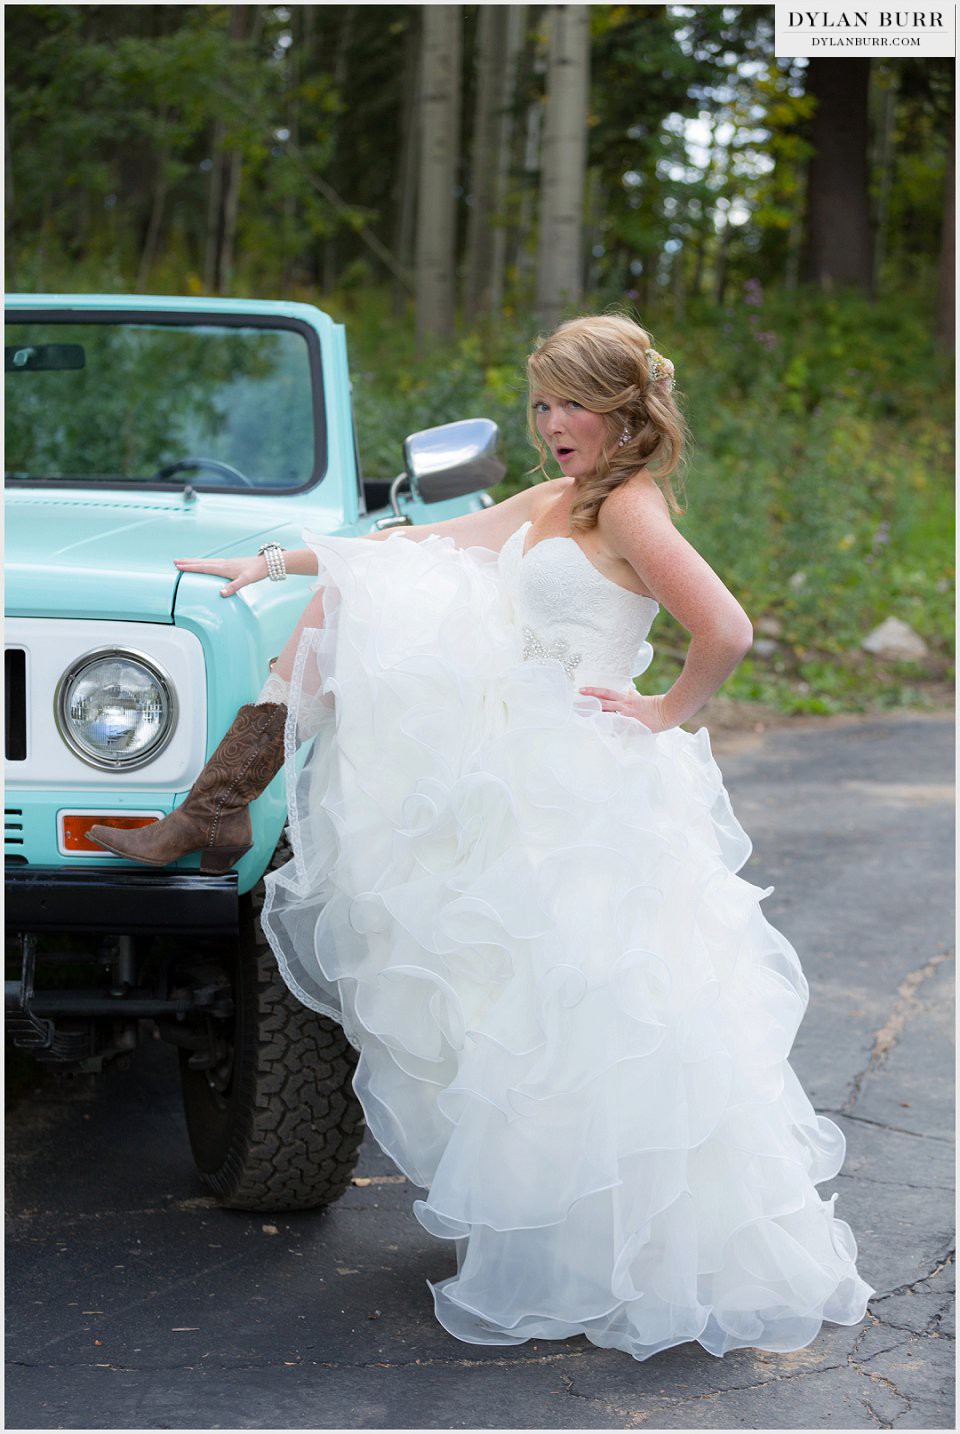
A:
x: 624, y: 437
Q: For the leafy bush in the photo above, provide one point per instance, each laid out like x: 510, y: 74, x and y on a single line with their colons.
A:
x: 820, y: 484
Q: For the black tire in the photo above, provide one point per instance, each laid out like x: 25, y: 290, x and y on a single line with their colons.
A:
x: 276, y: 1125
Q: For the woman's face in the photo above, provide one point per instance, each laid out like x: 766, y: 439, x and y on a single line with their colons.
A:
x: 575, y: 436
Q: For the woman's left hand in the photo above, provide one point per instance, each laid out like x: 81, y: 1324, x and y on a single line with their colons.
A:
x: 648, y: 710
x: 240, y: 571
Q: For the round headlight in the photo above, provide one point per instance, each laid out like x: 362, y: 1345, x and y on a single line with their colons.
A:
x: 115, y: 709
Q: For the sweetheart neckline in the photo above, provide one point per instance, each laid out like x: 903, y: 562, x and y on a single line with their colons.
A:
x: 563, y: 538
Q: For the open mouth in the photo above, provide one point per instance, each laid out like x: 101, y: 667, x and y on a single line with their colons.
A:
x: 564, y: 452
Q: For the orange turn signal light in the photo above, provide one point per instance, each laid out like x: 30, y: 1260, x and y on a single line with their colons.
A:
x: 75, y: 828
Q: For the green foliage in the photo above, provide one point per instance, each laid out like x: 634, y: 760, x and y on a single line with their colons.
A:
x: 395, y: 394
x: 116, y: 116
x: 823, y: 490
x: 119, y: 118
x: 820, y: 486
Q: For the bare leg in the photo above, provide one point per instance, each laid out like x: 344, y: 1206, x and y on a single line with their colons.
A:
x: 276, y: 689
x: 312, y: 616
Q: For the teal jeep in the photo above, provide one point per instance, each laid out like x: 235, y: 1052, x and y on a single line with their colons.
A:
x: 140, y: 430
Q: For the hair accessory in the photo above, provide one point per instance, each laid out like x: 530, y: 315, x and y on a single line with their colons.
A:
x: 624, y: 437
x: 659, y: 367
x: 276, y: 567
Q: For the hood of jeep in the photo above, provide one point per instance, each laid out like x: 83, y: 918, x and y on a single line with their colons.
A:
x: 111, y: 555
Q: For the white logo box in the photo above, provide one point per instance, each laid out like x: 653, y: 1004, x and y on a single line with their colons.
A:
x: 914, y: 31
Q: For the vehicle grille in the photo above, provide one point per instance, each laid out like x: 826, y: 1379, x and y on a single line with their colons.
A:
x: 15, y: 711
x: 13, y: 834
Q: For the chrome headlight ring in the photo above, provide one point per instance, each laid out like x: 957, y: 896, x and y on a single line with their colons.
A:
x: 66, y: 726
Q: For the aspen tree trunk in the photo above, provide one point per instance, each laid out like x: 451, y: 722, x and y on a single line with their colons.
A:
x: 233, y: 171
x: 696, y: 288
x: 560, y: 240
x: 498, y: 43
x: 490, y: 57
x: 884, y: 164
x: 224, y: 194
x: 946, y: 297
x: 593, y: 215
x: 151, y: 242
x: 439, y: 148
x: 516, y: 21
x: 9, y: 270
x: 791, y: 268
x: 291, y: 260
x: 679, y: 278
x: 720, y: 262
x: 211, y: 248
x: 720, y: 170
x: 404, y: 194
x: 344, y: 35
x: 310, y: 255
x: 533, y: 130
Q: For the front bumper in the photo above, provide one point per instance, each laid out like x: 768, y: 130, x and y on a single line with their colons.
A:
x: 40, y: 898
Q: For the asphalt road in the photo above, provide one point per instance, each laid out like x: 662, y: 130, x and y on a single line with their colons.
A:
x: 133, y: 1302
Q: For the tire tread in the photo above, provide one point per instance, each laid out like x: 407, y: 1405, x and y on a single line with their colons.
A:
x: 297, y: 1144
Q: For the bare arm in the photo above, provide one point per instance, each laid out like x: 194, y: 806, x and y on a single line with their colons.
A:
x: 487, y: 528
x: 636, y: 524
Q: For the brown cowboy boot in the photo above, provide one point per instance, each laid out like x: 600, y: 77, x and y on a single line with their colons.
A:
x: 214, y: 818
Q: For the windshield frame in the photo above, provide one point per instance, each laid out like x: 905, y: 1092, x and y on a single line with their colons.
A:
x: 23, y: 314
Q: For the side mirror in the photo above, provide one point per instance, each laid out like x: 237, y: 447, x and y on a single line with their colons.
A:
x: 453, y: 459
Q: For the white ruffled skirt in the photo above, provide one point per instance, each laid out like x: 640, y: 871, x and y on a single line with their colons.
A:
x: 572, y: 1017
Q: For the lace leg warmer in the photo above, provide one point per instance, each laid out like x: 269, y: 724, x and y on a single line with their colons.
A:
x: 310, y: 711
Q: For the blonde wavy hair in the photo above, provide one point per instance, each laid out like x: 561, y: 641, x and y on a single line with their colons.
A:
x: 607, y: 363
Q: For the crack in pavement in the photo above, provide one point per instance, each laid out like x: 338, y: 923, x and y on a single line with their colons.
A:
x: 628, y: 1418
x: 465, y: 1362
x: 944, y: 1260
x: 898, y: 1184
x: 876, y: 1377
x: 892, y: 1348
x: 665, y: 1404
x: 886, y: 1038
x: 632, y: 1418
x: 635, y: 1417
x: 929, y: 1331
x: 883, y: 1125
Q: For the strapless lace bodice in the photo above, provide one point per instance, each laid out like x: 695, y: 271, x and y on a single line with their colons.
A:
x: 567, y: 609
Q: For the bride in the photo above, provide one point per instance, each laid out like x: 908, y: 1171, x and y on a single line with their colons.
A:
x: 514, y: 883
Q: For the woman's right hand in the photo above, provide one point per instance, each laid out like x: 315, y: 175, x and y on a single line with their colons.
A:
x: 240, y: 571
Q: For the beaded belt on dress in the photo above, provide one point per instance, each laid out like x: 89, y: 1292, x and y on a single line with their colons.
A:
x: 534, y: 648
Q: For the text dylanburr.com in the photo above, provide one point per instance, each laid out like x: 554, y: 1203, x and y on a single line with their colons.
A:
x: 920, y: 31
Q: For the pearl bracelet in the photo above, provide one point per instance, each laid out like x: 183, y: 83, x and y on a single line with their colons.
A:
x: 276, y: 567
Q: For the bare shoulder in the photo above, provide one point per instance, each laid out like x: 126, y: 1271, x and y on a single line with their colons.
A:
x: 544, y: 495
x: 635, y: 508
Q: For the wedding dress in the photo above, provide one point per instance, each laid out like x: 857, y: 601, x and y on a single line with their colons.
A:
x: 572, y: 1017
